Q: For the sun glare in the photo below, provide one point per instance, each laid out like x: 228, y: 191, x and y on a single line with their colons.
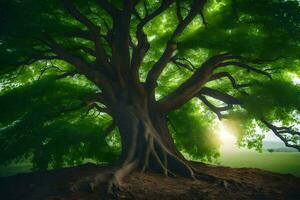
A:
x: 224, y: 133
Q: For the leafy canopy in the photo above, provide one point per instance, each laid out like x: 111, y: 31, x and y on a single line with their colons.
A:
x: 45, y: 116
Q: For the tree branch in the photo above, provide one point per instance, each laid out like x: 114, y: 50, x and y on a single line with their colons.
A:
x: 178, y: 11
x: 278, y: 131
x: 94, y: 31
x: 188, y: 89
x: 108, y: 7
x: 79, y: 106
x: 89, y: 51
x: 245, y: 66
x: 138, y: 55
x: 189, y: 66
x: 36, y: 58
x: 64, y: 75
x: 92, y: 105
x: 92, y: 74
x: 228, y: 99
x: 231, y: 79
x: 78, y: 16
x: 84, y: 34
x: 151, y: 80
x: 217, y: 110
x: 145, y: 7
x: 48, y: 68
x: 142, y: 41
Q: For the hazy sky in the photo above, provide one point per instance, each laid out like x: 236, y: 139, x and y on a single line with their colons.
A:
x: 229, y: 141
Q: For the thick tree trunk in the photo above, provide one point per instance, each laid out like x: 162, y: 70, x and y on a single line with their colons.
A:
x: 146, y: 142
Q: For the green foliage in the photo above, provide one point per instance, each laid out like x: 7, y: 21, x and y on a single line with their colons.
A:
x: 271, y: 150
x: 193, y: 133
x: 276, y: 97
x: 246, y: 130
x: 47, y: 122
x: 250, y: 28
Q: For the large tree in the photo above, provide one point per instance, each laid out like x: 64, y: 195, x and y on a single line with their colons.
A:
x: 73, y: 71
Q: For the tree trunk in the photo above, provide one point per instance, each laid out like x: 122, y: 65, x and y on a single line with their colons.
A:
x: 146, y: 142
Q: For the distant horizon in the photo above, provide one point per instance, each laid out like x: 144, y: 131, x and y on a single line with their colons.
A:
x: 231, y: 145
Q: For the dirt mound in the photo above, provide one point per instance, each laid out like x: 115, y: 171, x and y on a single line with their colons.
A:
x: 237, y: 184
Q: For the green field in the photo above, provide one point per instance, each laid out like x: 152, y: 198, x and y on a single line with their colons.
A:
x: 282, y: 162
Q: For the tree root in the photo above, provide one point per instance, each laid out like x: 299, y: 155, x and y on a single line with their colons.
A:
x: 152, y: 157
x: 108, y: 183
x: 227, y: 184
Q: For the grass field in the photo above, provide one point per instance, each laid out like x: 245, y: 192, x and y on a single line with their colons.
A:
x: 281, y: 162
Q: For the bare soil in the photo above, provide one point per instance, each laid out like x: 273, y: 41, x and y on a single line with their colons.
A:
x: 244, y: 183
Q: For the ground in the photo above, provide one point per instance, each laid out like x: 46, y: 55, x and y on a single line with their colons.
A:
x: 244, y: 183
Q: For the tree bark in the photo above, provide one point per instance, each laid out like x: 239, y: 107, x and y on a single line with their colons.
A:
x: 146, y: 141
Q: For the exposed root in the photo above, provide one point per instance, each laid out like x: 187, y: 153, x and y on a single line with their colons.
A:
x: 107, y: 180
x: 150, y: 154
x: 227, y: 184
x: 110, y: 182
x: 160, y: 159
x: 107, y: 183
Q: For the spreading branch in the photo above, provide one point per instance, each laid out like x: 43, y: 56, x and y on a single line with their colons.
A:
x: 89, y: 51
x: 70, y: 7
x: 176, y: 61
x: 190, y: 88
x: 234, y: 84
x: 178, y: 11
x: 100, y: 54
x: 36, y: 58
x: 66, y: 74
x: 84, y: 34
x: 226, y: 98
x: 184, y: 60
x: 230, y: 100
x: 92, y: 74
x: 94, y: 105
x: 142, y: 41
x: 145, y: 7
x: 108, y: 7
x: 152, y: 77
x: 245, y: 66
x: 48, y: 68
x: 217, y: 110
x: 280, y: 131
